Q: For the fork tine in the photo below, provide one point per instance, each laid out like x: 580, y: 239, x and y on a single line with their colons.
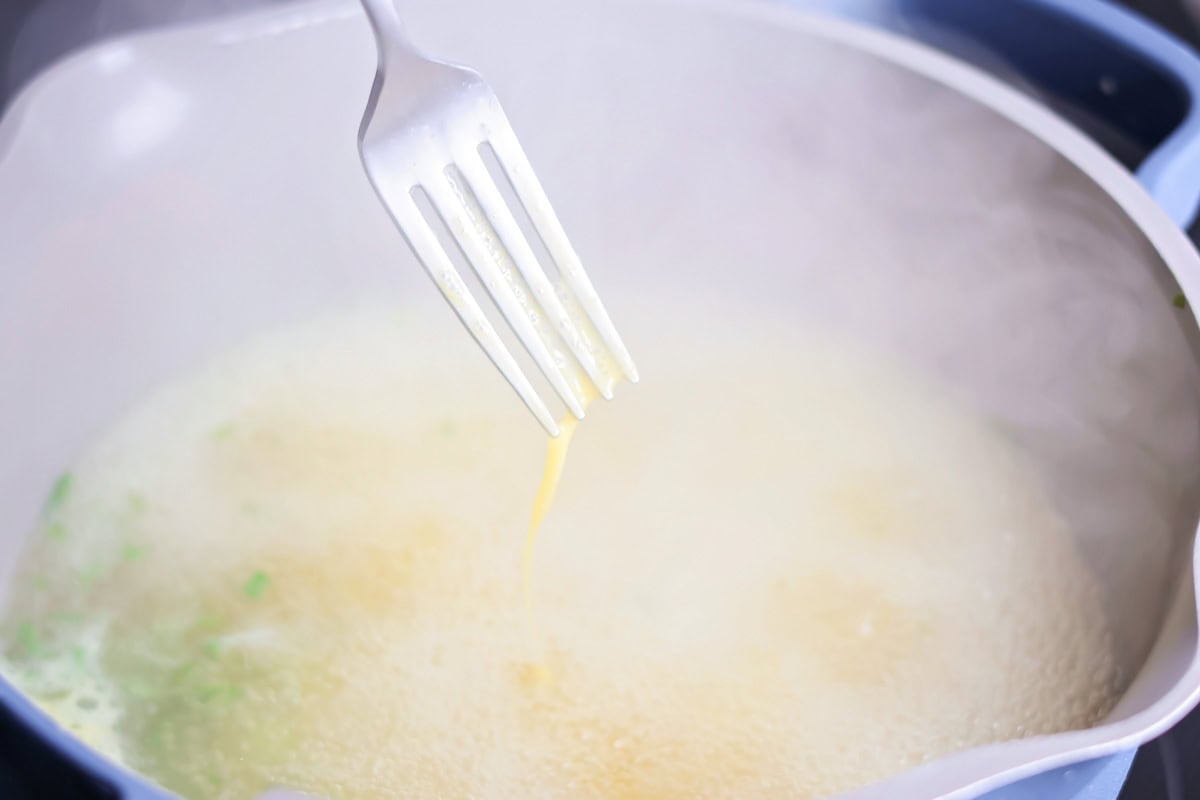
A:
x: 433, y: 257
x: 509, y: 231
x: 465, y: 224
x: 515, y: 164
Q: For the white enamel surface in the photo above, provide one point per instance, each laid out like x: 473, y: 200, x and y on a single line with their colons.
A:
x: 151, y: 214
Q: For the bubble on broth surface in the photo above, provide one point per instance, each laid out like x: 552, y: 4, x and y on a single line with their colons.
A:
x: 300, y: 567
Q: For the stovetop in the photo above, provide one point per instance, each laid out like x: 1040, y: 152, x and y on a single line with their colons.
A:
x: 1165, y: 769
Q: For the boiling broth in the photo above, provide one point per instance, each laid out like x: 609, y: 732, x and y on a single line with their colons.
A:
x: 778, y: 567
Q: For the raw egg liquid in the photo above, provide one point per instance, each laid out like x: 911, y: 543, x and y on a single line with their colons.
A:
x: 556, y: 460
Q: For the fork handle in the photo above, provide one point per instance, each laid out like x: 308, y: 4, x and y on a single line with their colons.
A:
x: 390, y: 37
x: 385, y: 19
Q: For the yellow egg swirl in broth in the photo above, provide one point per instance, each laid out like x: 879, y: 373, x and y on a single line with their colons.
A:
x: 556, y: 460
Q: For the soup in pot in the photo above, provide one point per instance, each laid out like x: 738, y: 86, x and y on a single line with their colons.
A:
x: 779, y: 567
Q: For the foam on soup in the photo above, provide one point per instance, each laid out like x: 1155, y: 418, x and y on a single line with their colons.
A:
x: 778, y: 567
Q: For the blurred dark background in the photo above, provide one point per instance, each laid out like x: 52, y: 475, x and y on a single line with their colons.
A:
x: 35, y: 33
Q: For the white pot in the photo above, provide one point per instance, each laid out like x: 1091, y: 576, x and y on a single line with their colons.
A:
x: 165, y: 196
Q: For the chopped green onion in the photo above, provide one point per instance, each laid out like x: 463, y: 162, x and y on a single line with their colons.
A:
x: 1179, y: 301
x: 133, y: 552
x: 137, y: 687
x: 94, y: 574
x: 208, y: 622
x: 257, y: 585
x: 56, y: 531
x: 29, y: 639
x: 59, y: 492
x: 222, y: 432
x: 220, y: 691
x: 185, y: 669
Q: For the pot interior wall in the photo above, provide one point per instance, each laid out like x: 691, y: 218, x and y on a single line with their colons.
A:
x: 163, y: 217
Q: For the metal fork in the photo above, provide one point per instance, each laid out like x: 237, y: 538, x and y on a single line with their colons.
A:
x: 425, y: 130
